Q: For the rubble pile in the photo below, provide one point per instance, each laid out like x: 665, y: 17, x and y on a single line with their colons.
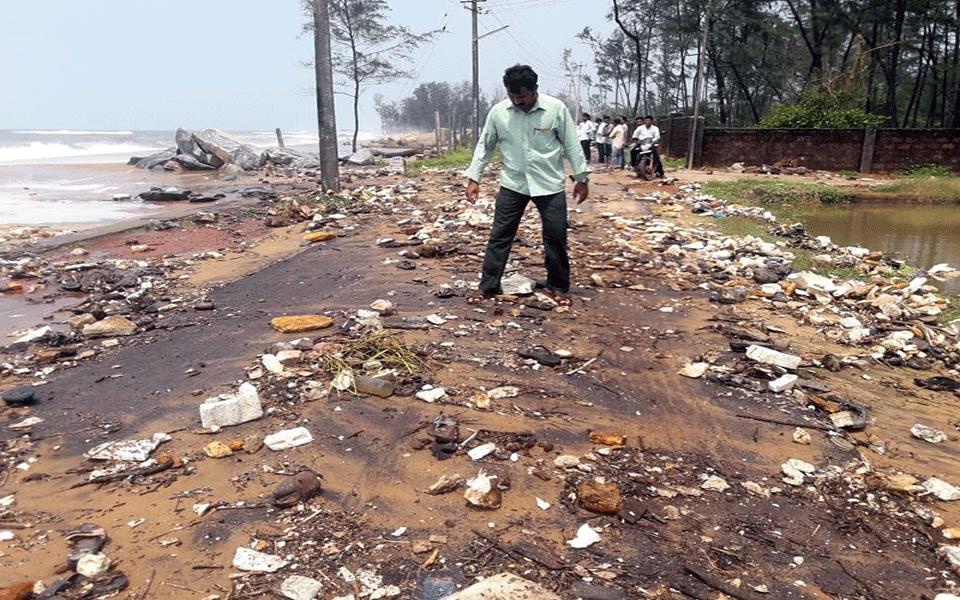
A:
x: 493, y: 494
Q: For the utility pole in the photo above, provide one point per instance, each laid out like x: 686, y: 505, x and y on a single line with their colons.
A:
x: 576, y: 87
x: 475, y: 39
x: 326, y: 108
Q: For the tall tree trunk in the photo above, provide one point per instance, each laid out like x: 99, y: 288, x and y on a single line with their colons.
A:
x: 955, y: 116
x: 326, y: 107
x: 890, y: 107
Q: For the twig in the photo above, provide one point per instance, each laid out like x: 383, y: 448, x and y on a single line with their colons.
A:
x: 722, y: 586
x: 157, y: 537
x: 785, y: 422
x: 179, y: 587
x: 153, y: 575
x: 581, y: 367
x: 151, y: 470
x: 815, y: 530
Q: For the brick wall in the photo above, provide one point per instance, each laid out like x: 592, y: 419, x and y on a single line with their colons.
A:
x: 897, y: 149
x: 822, y: 149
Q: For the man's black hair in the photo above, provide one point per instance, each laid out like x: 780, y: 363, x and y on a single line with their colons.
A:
x: 518, y: 77
x: 586, y: 115
x: 648, y: 117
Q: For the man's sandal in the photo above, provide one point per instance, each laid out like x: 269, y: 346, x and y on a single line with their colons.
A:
x: 559, y: 297
x: 476, y: 297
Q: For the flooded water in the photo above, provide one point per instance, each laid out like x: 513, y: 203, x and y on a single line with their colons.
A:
x: 920, y: 234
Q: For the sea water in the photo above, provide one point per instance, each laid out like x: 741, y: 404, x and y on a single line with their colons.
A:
x: 70, y: 177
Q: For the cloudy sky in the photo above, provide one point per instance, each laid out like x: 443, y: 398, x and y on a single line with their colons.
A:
x: 236, y: 65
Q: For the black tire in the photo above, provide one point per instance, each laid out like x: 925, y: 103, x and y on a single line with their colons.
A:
x: 645, y: 168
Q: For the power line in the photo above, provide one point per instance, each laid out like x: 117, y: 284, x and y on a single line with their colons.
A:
x: 427, y: 52
x: 535, y: 54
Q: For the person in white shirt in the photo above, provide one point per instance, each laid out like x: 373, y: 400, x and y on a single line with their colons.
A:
x: 646, y: 135
x: 617, y: 140
x: 604, y: 128
x: 586, y: 131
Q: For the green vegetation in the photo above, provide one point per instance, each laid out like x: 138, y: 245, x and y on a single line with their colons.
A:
x: 926, y: 171
x: 953, y: 309
x: 777, y: 195
x: 674, y: 163
x: 821, y: 110
x: 933, y: 184
x: 458, y: 156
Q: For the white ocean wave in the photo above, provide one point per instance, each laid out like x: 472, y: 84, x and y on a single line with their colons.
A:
x: 70, y: 132
x: 58, y: 150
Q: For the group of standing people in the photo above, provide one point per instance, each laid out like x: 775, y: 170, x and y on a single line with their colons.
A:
x: 610, y: 138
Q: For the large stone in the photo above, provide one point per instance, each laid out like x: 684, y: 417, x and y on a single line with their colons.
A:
x: 247, y: 158
x: 285, y: 157
x: 217, y: 143
x: 299, y: 323
x: 364, y: 156
x: 189, y: 162
x: 186, y: 144
x: 154, y: 160
x: 110, y: 326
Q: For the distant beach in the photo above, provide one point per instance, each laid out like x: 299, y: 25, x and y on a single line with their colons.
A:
x: 69, y: 178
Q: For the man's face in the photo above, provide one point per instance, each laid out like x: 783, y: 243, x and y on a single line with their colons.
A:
x: 523, y: 99
x: 648, y: 122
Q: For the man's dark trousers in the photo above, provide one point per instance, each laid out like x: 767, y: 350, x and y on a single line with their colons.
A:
x: 506, y: 222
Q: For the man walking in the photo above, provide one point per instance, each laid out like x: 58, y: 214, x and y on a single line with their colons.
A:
x: 535, y: 132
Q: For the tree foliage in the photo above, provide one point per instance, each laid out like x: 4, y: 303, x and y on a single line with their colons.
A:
x: 366, y: 50
x: 775, y: 62
x: 417, y: 112
x: 821, y: 110
x: 899, y: 59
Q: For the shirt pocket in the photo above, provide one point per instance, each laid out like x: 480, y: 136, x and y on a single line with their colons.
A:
x: 543, y: 139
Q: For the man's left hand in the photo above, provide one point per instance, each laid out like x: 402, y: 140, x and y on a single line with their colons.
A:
x: 580, y: 191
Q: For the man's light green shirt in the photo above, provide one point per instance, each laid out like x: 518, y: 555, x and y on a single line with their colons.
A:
x: 533, y: 145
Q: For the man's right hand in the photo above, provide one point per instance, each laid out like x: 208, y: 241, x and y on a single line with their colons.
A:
x: 473, y: 191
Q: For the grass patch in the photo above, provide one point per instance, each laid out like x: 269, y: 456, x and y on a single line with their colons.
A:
x: 926, y: 171
x: 674, y: 163
x: 458, y: 156
x: 775, y: 194
x: 952, y: 311
x: 931, y: 184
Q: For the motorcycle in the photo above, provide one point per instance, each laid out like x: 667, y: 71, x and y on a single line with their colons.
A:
x: 645, y: 169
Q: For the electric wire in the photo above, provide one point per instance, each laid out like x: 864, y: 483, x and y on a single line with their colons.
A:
x: 546, y: 65
x: 424, y: 57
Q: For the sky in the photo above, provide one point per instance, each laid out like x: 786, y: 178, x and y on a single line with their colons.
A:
x: 237, y: 65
